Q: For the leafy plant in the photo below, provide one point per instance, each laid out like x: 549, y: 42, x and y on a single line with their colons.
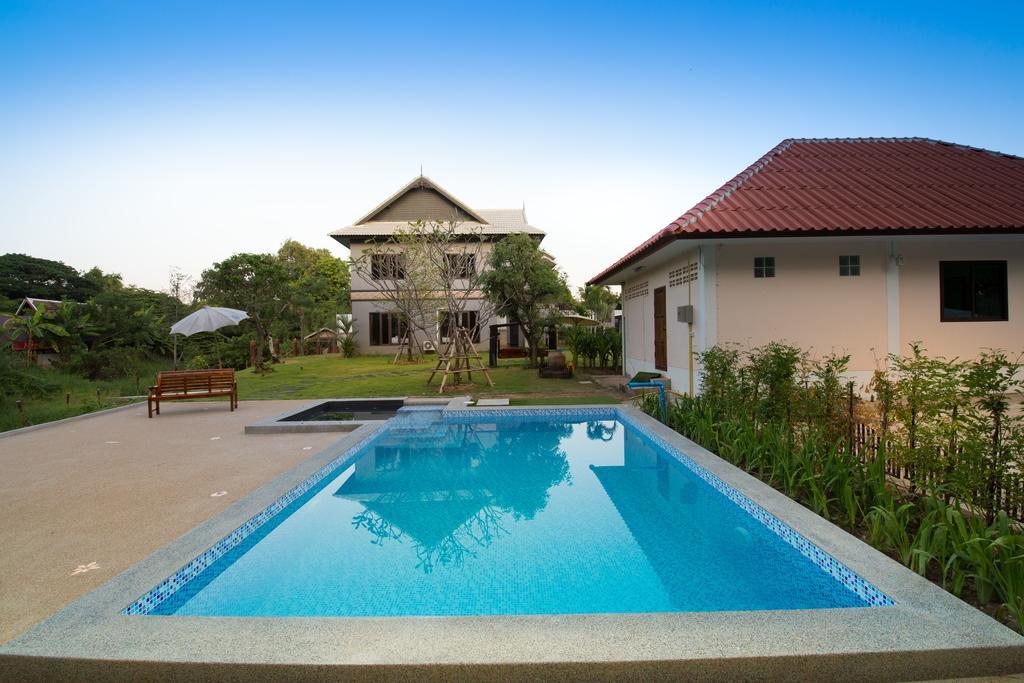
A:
x: 786, y: 418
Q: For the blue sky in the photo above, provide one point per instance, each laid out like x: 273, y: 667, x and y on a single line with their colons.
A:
x: 140, y: 136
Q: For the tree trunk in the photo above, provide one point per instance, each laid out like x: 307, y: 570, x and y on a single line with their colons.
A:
x: 261, y: 341
x: 534, y: 343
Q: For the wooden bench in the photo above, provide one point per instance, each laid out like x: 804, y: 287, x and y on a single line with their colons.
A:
x: 182, y: 385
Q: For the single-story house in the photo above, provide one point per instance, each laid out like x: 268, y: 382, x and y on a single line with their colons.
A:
x: 324, y: 340
x: 850, y: 246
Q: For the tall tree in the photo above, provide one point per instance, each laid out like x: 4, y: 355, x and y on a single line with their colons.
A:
x: 523, y: 285
x: 22, y: 275
x: 600, y: 301
x: 319, y: 284
x: 254, y: 283
x: 103, y: 282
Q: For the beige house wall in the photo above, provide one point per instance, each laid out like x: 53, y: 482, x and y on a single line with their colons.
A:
x: 807, y: 303
x: 638, y: 320
x: 893, y: 302
x: 357, y: 250
x: 919, y: 295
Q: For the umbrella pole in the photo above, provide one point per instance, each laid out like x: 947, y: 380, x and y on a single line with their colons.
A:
x: 216, y: 342
x: 174, y: 352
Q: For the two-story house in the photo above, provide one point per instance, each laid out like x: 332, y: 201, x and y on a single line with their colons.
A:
x: 379, y: 328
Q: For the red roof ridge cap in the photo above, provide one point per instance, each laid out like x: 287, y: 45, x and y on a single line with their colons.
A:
x: 723, y: 193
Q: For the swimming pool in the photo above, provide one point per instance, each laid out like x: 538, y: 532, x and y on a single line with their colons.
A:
x: 455, y: 513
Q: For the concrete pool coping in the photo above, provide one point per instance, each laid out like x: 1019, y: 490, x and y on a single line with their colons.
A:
x: 928, y: 633
x: 280, y: 424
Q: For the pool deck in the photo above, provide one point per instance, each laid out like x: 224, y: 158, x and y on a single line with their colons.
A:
x: 78, y: 499
x: 112, y: 488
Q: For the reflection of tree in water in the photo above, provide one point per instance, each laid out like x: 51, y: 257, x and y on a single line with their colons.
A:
x: 381, y: 529
x: 450, y: 496
x: 602, y: 431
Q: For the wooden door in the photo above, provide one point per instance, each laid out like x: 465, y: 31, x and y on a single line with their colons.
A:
x: 660, y: 330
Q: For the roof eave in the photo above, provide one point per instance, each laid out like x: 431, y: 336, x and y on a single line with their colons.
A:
x: 666, y: 237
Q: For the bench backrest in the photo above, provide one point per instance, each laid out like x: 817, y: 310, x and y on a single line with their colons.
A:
x: 195, y: 380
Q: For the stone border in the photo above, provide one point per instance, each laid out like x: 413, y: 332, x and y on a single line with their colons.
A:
x: 277, y: 424
x: 928, y: 633
x: 74, y: 418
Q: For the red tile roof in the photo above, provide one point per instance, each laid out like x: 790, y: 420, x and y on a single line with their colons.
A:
x: 856, y: 186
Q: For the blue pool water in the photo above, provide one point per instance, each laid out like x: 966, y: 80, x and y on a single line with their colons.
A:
x: 519, y: 515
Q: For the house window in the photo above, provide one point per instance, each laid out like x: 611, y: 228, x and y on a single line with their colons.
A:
x: 468, y: 322
x: 764, y: 266
x: 386, y: 329
x: 387, y: 266
x: 973, y: 290
x: 461, y: 266
x: 849, y: 266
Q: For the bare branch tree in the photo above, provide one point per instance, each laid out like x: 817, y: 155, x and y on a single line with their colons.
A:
x: 429, y: 272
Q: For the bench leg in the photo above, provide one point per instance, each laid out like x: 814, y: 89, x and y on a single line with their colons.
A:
x: 149, y: 405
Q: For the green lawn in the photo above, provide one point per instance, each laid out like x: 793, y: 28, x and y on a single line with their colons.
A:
x: 368, y: 376
x: 63, y: 395
x: 58, y: 394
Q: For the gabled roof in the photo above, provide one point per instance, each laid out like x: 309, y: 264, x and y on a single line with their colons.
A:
x: 487, y: 222
x: 856, y: 186
x: 420, y: 183
x: 314, y: 335
x: 49, y: 305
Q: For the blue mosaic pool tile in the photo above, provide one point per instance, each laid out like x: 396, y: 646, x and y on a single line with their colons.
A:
x: 179, y: 579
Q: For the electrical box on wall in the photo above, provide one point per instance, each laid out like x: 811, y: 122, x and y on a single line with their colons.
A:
x: 685, y: 313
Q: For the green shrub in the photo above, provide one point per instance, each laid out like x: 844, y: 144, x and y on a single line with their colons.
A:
x: 785, y: 418
x: 349, y: 348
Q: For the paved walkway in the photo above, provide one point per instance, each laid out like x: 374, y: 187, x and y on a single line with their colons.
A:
x: 82, y: 501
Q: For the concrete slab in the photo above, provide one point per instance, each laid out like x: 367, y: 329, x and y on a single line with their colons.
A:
x: 84, y: 500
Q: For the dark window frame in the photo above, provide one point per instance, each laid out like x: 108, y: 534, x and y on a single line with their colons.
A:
x: 974, y: 317
x: 849, y: 265
x: 470, y: 321
x: 387, y: 266
x: 461, y: 266
x: 388, y: 324
x: 764, y: 267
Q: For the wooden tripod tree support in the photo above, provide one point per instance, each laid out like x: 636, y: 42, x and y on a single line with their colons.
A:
x: 456, y: 360
x: 406, y: 345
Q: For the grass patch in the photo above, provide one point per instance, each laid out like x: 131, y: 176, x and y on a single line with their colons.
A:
x: 306, y: 377
x: 332, y: 376
x: 68, y: 395
x: 601, y: 399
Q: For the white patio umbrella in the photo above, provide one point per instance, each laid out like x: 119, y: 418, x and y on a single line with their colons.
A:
x: 577, y: 320
x: 208, y: 319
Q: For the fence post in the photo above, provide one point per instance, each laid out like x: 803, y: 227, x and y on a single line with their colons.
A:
x: 21, y: 409
x: 849, y: 437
